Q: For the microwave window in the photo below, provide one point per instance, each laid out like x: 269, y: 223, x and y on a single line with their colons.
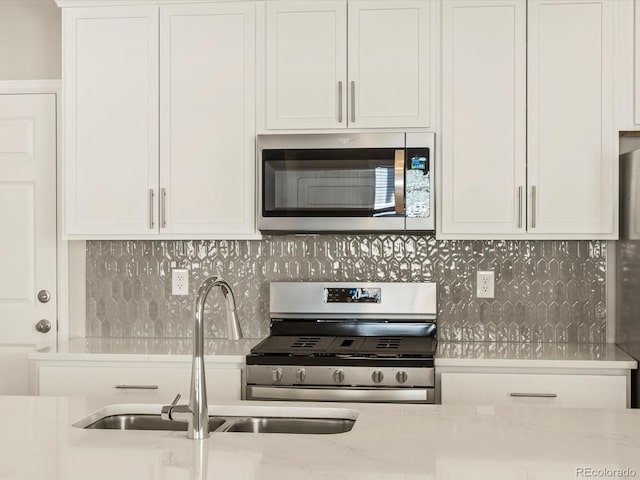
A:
x: 335, y: 182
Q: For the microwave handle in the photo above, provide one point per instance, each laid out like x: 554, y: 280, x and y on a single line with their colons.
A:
x: 398, y: 168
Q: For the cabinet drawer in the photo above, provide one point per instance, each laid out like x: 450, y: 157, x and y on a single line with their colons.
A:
x: 589, y: 391
x: 157, y: 384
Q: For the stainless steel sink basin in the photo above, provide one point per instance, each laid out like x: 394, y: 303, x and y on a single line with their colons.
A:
x: 228, y: 418
x: 228, y: 424
x: 290, y: 425
x: 146, y: 422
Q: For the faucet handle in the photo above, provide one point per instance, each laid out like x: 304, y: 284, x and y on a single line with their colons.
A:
x: 165, y: 413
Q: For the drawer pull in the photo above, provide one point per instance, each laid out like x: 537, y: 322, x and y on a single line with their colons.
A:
x: 534, y: 395
x: 137, y: 387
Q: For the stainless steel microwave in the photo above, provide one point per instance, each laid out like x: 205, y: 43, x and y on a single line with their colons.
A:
x: 346, y: 182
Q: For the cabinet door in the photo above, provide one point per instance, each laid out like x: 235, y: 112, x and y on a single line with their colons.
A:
x: 207, y: 103
x: 484, y: 117
x: 571, y: 152
x: 573, y: 391
x: 152, y: 383
x: 389, y: 63
x: 111, y: 119
x: 636, y: 82
x: 306, y: 63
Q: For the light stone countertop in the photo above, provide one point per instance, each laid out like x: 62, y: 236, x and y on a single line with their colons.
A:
x: 147, y: 349
x: 450, y: 354
x: 539, y: 355
x: 388, y: 442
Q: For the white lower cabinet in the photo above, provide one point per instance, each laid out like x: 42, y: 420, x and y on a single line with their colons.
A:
x: 553, y: 390
x: 151, y: 382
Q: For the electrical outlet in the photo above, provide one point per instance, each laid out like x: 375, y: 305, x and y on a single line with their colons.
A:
x: 179, y: 281
x: 485, y: 284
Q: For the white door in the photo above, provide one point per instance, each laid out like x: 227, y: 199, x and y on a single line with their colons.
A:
x: 111, y: 120
x: 571, y: 153
x: 306, y: 62
x: 389, y: 63
x: 27, y: 218
x: 207, y: 86
x: 484, y: 118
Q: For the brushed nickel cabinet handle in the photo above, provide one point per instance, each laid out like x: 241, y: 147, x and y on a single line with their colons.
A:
x: 353, y: 102
x: 519, y: 207
x: 136, y: 387
x: 533, y: 207
x: 151, y: 198
x: 163, y: 207
x: 534, y: 395
x: 398, y: 184
x: 340, y: 101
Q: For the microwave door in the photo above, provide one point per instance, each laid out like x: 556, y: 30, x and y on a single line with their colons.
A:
x: 331, y: 189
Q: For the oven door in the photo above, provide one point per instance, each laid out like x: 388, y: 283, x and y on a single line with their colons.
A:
x: 332, y: 182
x: 342, y: 394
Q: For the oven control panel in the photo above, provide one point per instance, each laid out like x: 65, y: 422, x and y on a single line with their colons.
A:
x: 352, y: 295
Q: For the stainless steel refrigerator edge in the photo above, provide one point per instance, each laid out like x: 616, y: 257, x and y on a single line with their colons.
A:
x: 627, y: 286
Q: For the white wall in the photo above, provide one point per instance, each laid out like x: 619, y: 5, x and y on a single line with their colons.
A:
x: 30, y: 40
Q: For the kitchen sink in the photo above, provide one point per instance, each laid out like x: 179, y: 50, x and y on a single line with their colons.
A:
x: 290, y: 425
x: 228, y: 424
x: 146, y: 422
x: 245, y: 419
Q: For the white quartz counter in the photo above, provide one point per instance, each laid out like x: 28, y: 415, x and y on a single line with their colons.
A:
x: 539, y: 355
x: 416, y: 442
x: 450, y: 354
x: 154, y: 349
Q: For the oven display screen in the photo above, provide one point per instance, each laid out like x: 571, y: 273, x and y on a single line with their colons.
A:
x: 352, y: 295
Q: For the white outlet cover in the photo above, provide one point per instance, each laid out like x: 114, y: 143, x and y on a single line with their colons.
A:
x: 485, y: 284
x: 179, y: 281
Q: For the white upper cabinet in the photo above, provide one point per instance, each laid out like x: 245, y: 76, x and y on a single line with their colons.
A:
x: 484, y: 117
x: 627, y: 14
x: 382, y: 79
x: 562, y: 184
x: 110, y: 120
x: 306, y: 70
x: 207, y: 112
x: 571, y: 151
x: 160, y: 121
x: 636, y: 63
x: 389, y: 51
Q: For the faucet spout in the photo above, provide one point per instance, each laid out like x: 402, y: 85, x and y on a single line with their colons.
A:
x: 196, y: 414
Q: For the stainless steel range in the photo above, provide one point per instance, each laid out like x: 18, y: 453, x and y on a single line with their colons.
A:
x: 352, y: 341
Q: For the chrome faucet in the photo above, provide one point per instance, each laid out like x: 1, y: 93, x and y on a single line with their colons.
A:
x: 196, y: 413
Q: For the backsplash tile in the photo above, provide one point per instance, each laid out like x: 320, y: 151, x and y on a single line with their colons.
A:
x: 546, y: 291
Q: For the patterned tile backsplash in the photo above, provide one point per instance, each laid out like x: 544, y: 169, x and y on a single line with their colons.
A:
x: 545, y: 291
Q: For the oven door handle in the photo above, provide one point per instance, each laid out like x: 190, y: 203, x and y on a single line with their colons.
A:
x: 319, y: 394
x: 398, y: 184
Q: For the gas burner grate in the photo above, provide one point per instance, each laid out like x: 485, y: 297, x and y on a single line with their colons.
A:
x: 389, y: 343
x: 305, y: 342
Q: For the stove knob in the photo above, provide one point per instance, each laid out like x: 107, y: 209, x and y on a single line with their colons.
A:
x: 276, y: 374
x: 338, y: 376
x: 377, y: 376
x: 301, y: 375
x: 401, y: 376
